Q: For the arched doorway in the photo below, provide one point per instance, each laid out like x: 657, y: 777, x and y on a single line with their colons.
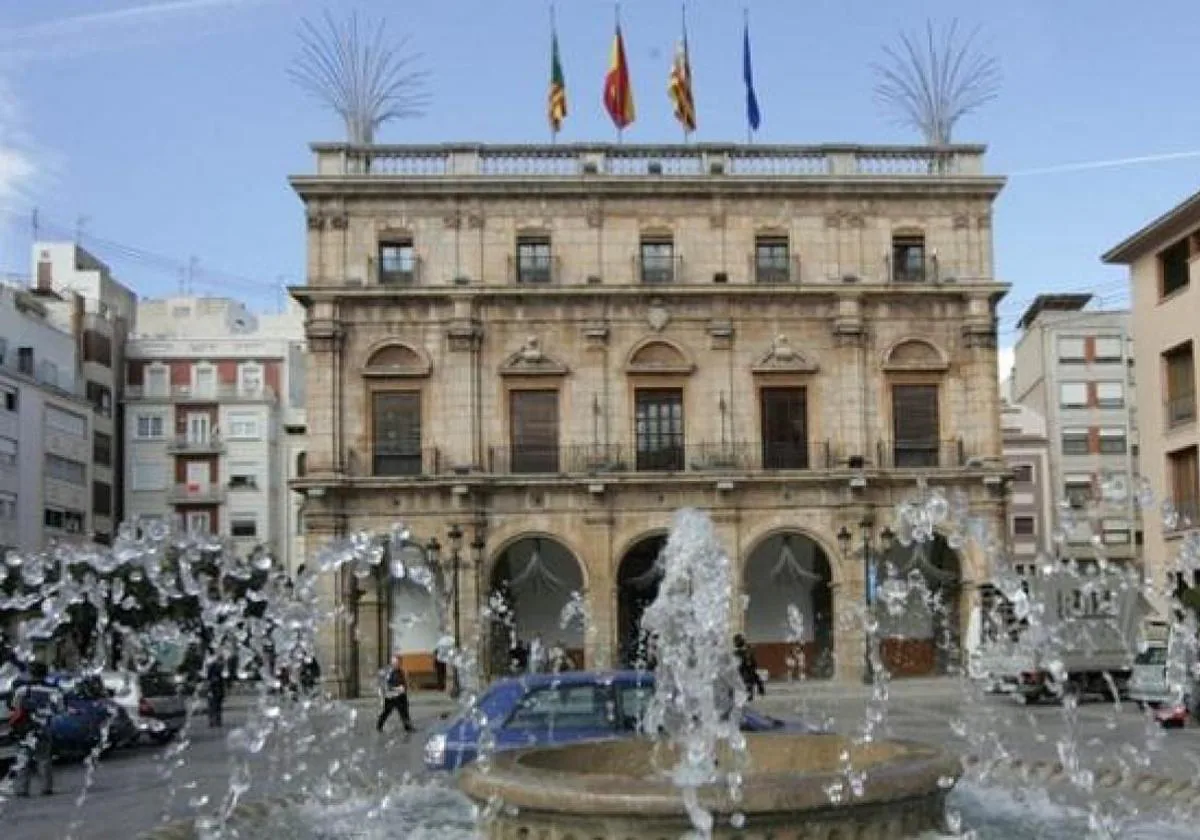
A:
x: 920, y: 629
x: 535, y: 578
x: 415, y: 626
x: 638, y: 578
x: 789, y: 617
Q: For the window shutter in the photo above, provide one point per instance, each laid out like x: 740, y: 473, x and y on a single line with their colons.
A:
x: 398, y: 433
x: 784, y: 428
x: 533, y: 427
x: 915, y: 424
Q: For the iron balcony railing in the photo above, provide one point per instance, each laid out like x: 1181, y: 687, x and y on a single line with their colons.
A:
x: 921, y: 454
x: 771, y: 270
x: 533, y: 270
x: 225, y: 392
x: 670, y: 454
x: 190, y: 443
x: 1180, y: 409
x: 658, y: 270
x: 197, y: 494
x: 928, y: 270
x: 403, y: 272
x: 405, y: 460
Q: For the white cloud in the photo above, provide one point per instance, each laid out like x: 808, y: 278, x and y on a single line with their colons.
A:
x: 19, y: 167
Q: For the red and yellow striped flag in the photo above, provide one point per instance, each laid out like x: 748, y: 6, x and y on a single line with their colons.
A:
x: 679, y: 88
x: 558, y: 87
x: 618, y: 94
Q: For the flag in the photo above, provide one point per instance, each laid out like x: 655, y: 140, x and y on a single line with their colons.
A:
x: 558, y: 87
x: 618, y: 95
x: 680, y: 87
x: 752, y: 113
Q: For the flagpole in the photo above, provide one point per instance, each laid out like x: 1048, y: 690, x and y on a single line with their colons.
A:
x: 553, y: 45
x: 617, y: 18
x: 683, y: 23
x: 746, y: 22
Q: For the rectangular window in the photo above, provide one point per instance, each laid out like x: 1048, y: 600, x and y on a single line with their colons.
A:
x: 1180, y: 373
x: 1022, y: 473
x: 61, y: 519
x: 100, y: 397
x: 1072, y: 395
x: 198, y: 522
x: 1116, y: 532
x: 148, y: 475
x: 204, y: 380
x: 772, y: 262
x: 64, y: 469
x: 243, y: 475
x: 1075, y: 441
x: 1110, y: 394
x: 1183, y: 471
x: 657, y: 261
x: 915, y: 425
x: 101, y: 498
x: 565, y: 708
x: 148, y: 427
x: 66, y: 422
x: 250, y: 378
x: 1113, y: 441
x: 1173, y: 268
x: 8, y: 507
x: 1071, y: 350
x: 1023, y: 526
x: 1078, y: 489
x: 97, y: 348
x: 243, y: 425
x: 25, y: 360
x: 156, y: 381
x: 534, y: 260
x: 397, y: 263
x: 533, y: 427
x: 102, y: 449
x: 658, y: 426
x: 908, y: 259
x: 1109, y: 348
x: 9, y: 401
x: 8, y: 451
x: 243, y: 525
x: 396, y: 444
x: 784, y: 428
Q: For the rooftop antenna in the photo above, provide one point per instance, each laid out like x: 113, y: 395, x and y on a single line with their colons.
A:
x: 354, y: 72
x: 930, y: 83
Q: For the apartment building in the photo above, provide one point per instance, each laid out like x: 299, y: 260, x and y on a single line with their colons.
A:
x: 214, y: 402
x: 534, y: 355
x: 83, y: 298
x: 1164, y: 272
x: 46, y: 442
x: 1032, y: 495
x: 1073, y: 366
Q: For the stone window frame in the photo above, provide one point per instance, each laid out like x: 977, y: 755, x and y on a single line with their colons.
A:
x: 413, y: 377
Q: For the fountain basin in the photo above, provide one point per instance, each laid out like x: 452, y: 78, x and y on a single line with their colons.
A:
x: 613, y: 790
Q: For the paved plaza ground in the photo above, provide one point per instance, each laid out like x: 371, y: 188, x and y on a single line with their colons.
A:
x: 129, y: 793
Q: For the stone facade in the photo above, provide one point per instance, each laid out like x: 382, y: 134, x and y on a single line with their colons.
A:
x: 458, y: 331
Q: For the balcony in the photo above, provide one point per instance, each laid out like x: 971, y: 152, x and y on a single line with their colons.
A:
x: 533, y: 270
x: 916, y: 455
x: 406, y: 272
x: 775, y: 271
x: 1179, y: 410
x: 1187, y: 516
x: 908, y: 272
x: 672, y: 457
x: 197, y: 494
x: 658, y: 270
x: 223, y: 393
x: 211, y: 444
x: 405, y: 461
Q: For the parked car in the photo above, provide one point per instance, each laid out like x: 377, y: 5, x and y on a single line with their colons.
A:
x: 1148, y: 682
x: 549, y: 709
x: 80, y: 727
x: 154, y: 701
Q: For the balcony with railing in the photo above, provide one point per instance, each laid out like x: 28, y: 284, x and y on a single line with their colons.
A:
x: 224, y: 392
x: 197, y: 494
x: 1180, y: 409
x: 926, y: 270
x: 664, y: 455
x: 658, y: 269
x: 921, y: 454
x: 533, y: 270
x: 770, y: 269
x: 667, y: 161
x: 405, y: 461
x: 196, y: 444
x: 395, y: 272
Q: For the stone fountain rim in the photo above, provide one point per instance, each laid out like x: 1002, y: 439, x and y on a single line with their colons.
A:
x: 919, y: 771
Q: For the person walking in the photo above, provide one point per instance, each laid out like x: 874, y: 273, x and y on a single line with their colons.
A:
x: 215, y: 678
x: 310, y: 674
x: 748, y: 667
x: 394, y: 689
x: 35, y: 703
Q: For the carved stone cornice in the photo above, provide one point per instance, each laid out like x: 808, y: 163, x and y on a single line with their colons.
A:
x: 464, y: 334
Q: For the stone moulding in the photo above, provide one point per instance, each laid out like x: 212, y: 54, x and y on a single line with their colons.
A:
x: 610, y: 791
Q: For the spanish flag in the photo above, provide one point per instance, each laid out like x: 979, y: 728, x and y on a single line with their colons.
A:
x: 679, y: 88
x: 558, y: 87
x: 618, y: 94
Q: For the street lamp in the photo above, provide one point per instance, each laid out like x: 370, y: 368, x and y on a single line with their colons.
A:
x: 870, y: 572
x: 455, y: 535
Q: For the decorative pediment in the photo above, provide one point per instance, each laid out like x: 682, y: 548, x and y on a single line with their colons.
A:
x: 659, y: 356
x: 783, y: 358
x: 394, y: 359
x: 531, y: 361
x: 915, y: 354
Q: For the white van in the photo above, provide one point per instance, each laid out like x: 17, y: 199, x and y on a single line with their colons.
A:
x: 1148, y: 682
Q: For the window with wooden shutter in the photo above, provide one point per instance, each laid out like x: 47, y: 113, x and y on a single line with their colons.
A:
x: 658, y: 424
x: 1181, y: 384
x: 1184, y: 469
x: 397, y: 427
x: 533, y: 430
x: 915, y: 425
x: 784, y: 429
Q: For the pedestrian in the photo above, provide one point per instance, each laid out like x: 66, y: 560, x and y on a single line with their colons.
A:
x: 310, y: 674
x: 215, y: 677
x: 394, y: 689
x: 538, y: 655
x: 35, y: 703
x: 558, y: 658
x: 748, y: 667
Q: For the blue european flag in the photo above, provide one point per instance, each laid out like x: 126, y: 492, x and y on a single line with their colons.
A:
x: 752, y: 113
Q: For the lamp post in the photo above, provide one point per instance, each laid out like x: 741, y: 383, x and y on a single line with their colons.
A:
x: 870, y: 571
x: 455, y: 535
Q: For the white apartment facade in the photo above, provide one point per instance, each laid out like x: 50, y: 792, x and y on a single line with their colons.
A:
x: 1031, y: 497
x: 1073, y: 367
x: 214, y: 407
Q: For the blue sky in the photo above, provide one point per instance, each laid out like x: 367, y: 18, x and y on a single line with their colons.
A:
x: 171, y: 126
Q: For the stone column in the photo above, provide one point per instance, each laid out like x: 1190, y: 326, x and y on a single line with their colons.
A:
x: 372, y: 647
x: 334, y: 648
x: 849, y: 640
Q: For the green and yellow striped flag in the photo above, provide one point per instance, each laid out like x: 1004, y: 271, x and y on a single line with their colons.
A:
x: 558, y: 87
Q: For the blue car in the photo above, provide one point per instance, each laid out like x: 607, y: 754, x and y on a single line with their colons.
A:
x: 551, y: 709
x: 79, y: 728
